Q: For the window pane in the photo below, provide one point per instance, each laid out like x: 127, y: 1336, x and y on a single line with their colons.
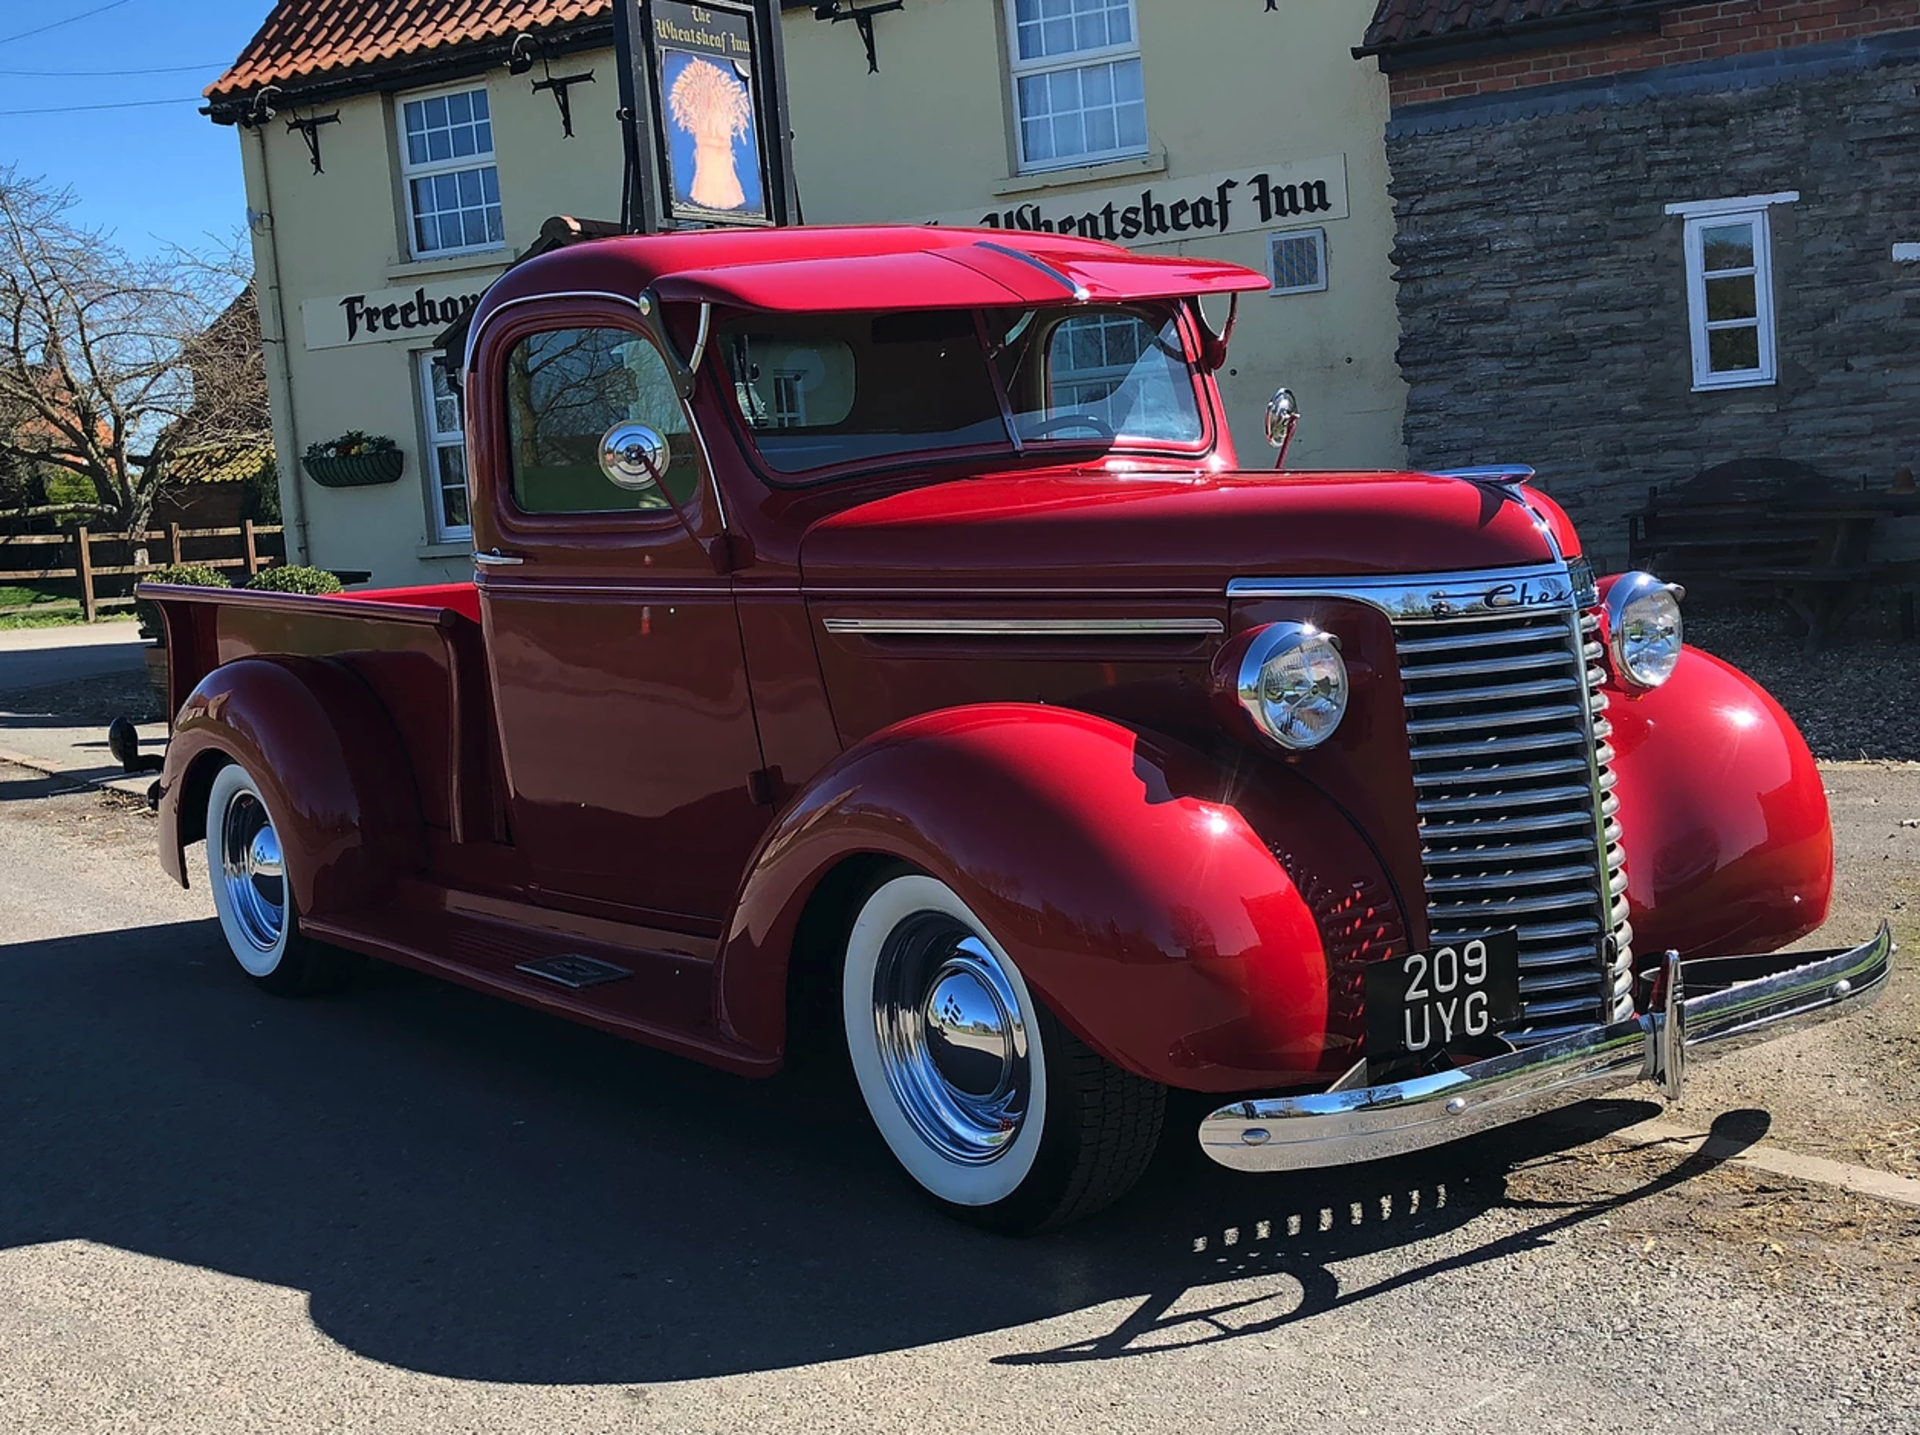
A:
x: 496, y: 231
x: 439, y: 145
x: 483, y: 138
x: 1731, y: 298
x: 459, y: 109
x: 1733, y: 350
x: 435, y: 111
x: 1111, y: 373
x: 469, y: 182
x: 416, y: 116
x: 463, y: 141
x: 473, y: 227
x: 416, y: 149
x: 565, y: 389
x: 480, y: 111
x: 446, y: 191
x: 1127, y: 85
x: 490, y: 184
x: 1727, y: 246
x: 451, y: 236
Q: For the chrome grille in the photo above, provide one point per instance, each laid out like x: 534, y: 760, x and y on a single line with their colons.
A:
x: 1518, y: 824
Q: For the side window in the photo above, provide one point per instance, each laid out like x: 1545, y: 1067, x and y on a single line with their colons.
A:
x: 565, y: 389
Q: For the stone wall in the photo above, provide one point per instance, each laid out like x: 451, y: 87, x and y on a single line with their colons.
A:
x: 1542, y: 290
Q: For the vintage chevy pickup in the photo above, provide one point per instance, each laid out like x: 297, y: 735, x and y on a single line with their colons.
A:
x: 876, y: 646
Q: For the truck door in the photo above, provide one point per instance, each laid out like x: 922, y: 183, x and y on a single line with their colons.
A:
x: 618, y: 676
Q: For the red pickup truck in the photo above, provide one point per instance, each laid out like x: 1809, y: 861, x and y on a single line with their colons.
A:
x: 876, y: 646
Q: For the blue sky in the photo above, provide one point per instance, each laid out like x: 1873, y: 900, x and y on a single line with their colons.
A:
x: 155, y: 174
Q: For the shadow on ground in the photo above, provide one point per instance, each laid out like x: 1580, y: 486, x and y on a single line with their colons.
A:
x: 474, y: 1190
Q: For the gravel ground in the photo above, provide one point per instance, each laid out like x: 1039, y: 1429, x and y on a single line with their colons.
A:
x: 92, y: 700
x: 415, y: 1209
x: 1857, y: 698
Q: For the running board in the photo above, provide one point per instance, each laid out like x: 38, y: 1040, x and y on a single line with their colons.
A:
x: 574, y: 971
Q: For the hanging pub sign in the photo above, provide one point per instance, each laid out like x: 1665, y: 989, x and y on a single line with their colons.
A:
x: 705, y: 106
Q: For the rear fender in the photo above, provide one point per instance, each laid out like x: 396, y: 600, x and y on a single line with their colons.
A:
x: 1133, y: 881
x: 330, y: 766
x: 1729, y: 846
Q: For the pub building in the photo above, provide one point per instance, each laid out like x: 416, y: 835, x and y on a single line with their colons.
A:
x: 400, y: 154
x: 1637, y: 239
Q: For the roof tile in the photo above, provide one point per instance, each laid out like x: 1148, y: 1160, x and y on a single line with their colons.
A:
x: 309, y: 39
x: 1399, y: 22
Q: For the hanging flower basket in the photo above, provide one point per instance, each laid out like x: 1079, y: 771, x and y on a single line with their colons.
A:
x: 357, y: 470
x: 353, y: 461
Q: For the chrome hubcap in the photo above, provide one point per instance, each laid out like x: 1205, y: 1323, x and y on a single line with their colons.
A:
x: 952, y: 1041
x: 252, y: 872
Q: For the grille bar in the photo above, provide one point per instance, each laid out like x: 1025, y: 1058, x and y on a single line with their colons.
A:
x: 1517, y: 820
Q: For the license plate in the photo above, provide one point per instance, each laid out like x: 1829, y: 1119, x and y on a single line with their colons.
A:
x: 1426, y: 1001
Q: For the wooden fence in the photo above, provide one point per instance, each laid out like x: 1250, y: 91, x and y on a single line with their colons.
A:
x: 225, y: 548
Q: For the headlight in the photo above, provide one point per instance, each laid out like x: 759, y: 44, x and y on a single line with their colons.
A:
x: 1293, y: 684
x: 1644, y: 616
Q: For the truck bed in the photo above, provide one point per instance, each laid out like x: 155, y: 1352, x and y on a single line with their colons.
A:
x: 421, y: 651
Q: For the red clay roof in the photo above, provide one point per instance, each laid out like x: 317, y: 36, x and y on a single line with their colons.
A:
x: 1400, y: 22
x: 313, y: 39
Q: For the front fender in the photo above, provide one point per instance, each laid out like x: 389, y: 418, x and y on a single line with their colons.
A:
x: 1729, y: 847
x: 1134, y: 882
x: 329, y: 763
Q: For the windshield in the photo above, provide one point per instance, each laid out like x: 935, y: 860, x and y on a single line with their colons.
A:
x: 821, y: 391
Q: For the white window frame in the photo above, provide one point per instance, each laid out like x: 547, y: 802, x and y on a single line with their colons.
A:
x: 1274, y: 241
x: 1701, y: 215
x: 1019, y: 69
x: 409, y: 171
x: 432, y: 440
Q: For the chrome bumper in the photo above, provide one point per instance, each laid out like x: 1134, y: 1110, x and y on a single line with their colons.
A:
x: 1738, y: 1001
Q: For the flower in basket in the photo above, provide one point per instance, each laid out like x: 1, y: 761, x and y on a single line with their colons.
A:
x: 350, y: 444
x: 354, y: 458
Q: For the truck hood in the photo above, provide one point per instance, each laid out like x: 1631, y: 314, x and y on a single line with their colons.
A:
x: 1185, y: 532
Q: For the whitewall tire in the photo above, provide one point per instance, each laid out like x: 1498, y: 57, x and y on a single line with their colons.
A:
x: 992, y: 1107
x: 246, y: 868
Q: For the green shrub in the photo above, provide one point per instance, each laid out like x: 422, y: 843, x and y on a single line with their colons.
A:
x: 294, y: 579
x: 191, y: 575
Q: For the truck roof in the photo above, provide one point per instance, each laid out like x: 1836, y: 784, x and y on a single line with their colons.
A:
x: 865, y: 268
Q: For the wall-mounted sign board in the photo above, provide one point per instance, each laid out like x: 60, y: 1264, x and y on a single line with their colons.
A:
x: 704, y: 109
x: 1141, y: 214
x: 387, y: 316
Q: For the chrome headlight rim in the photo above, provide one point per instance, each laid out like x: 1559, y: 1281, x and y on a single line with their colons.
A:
x: 1629, y: 590
x: 1273, y: 641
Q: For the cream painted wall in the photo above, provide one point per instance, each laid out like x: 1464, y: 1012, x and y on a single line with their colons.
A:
x: 339, y: 233
x: 1228, y: 86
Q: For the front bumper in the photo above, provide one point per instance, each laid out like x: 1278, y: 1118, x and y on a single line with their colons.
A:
x: 1739, y: 1001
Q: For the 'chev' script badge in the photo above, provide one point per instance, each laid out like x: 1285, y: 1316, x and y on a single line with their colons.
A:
x: 1527, y: 594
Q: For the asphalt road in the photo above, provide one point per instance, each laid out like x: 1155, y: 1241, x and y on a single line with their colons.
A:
x: 410, y: 1208
x: 40, y: 657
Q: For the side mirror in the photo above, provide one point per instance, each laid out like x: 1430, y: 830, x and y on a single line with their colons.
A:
x: 635, y: 457
x: 1283, y: 414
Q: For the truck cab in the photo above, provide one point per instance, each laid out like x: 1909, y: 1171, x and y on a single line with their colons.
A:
x: 876, y: 643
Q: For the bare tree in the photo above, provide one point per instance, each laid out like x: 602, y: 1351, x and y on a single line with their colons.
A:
x: 111, y: 367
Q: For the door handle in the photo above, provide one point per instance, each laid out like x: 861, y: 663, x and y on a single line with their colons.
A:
x: 497, y: 559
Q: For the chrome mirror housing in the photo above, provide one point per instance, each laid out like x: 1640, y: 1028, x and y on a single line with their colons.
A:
x: 1283, y: 414
x: 634, y: 457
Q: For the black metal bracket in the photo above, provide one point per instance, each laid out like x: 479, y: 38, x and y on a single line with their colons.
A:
x: 862, y: 17
x: 560, y: 85
x: 520, y: 61
x: 310, y: 131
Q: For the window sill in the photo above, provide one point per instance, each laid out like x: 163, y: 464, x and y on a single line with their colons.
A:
x: 1153, y: 162
x: 1714, y: 386
x: 462, y: 549
x: 495, y: 258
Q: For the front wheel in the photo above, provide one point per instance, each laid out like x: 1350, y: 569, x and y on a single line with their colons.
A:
x: 995, y: 1109
x: 247, y: 870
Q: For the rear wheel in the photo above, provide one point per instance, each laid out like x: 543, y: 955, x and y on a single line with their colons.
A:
x: 247, y: 870
x: 995, y: 1109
